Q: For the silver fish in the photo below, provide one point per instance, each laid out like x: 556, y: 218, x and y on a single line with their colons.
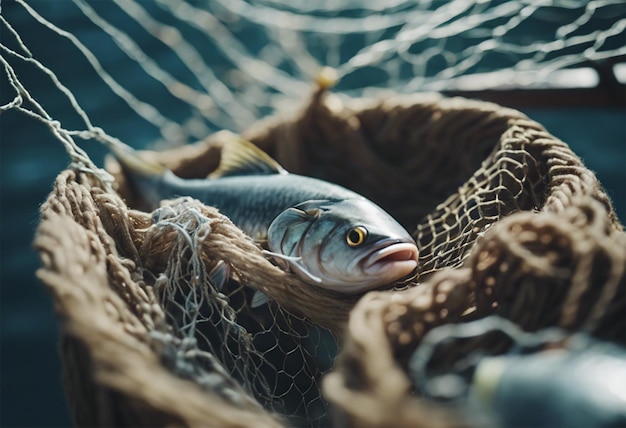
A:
x: 330, y: 236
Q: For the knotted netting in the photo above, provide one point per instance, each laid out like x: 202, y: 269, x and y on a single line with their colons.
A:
x: 507, y: 218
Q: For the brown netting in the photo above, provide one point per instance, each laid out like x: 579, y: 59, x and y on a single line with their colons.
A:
x: 507, y: 219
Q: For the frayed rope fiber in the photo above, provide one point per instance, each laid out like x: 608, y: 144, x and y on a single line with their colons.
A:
x: 507, y: 219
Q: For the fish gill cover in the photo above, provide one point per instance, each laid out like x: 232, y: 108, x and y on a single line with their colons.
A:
x: 507, y: 219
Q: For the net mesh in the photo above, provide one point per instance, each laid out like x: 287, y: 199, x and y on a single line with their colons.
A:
x: 210, y: 65
x: 493, y: 200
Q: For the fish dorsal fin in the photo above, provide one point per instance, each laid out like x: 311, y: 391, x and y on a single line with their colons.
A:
x: 241, y: 157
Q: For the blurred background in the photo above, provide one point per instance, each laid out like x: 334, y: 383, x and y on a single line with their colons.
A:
x: 168, y: 72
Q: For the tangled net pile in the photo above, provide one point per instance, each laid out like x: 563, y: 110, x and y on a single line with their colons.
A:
x: 507, y: 219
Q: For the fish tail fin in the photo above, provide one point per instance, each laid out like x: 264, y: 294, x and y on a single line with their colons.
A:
x: 132, y: 162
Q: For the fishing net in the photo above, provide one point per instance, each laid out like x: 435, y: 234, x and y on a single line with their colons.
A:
x: 507, y: 219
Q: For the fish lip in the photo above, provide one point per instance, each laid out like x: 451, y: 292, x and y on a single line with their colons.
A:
x: 385, y: 251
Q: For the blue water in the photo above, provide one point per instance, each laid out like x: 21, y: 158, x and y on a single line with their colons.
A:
x: 30, y: 159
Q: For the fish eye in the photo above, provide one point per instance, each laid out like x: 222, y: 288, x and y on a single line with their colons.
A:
x: 356, y: 236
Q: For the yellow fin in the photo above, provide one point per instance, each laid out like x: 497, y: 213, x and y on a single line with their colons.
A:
x: 241, y: 157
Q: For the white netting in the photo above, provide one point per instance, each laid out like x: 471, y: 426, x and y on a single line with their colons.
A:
x: 184, y: 69
x: 188, y: 68
x: 277, y: 357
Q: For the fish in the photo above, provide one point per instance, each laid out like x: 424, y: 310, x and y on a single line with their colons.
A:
x: 328, y: 235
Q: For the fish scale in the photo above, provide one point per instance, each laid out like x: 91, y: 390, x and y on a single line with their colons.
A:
x: 328, y: 235
x: 250, y: 201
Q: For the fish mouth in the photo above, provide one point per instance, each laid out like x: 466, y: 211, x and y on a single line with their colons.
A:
x: 392, y: 260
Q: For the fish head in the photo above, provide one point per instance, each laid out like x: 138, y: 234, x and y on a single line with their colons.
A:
x: 348, y: 245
